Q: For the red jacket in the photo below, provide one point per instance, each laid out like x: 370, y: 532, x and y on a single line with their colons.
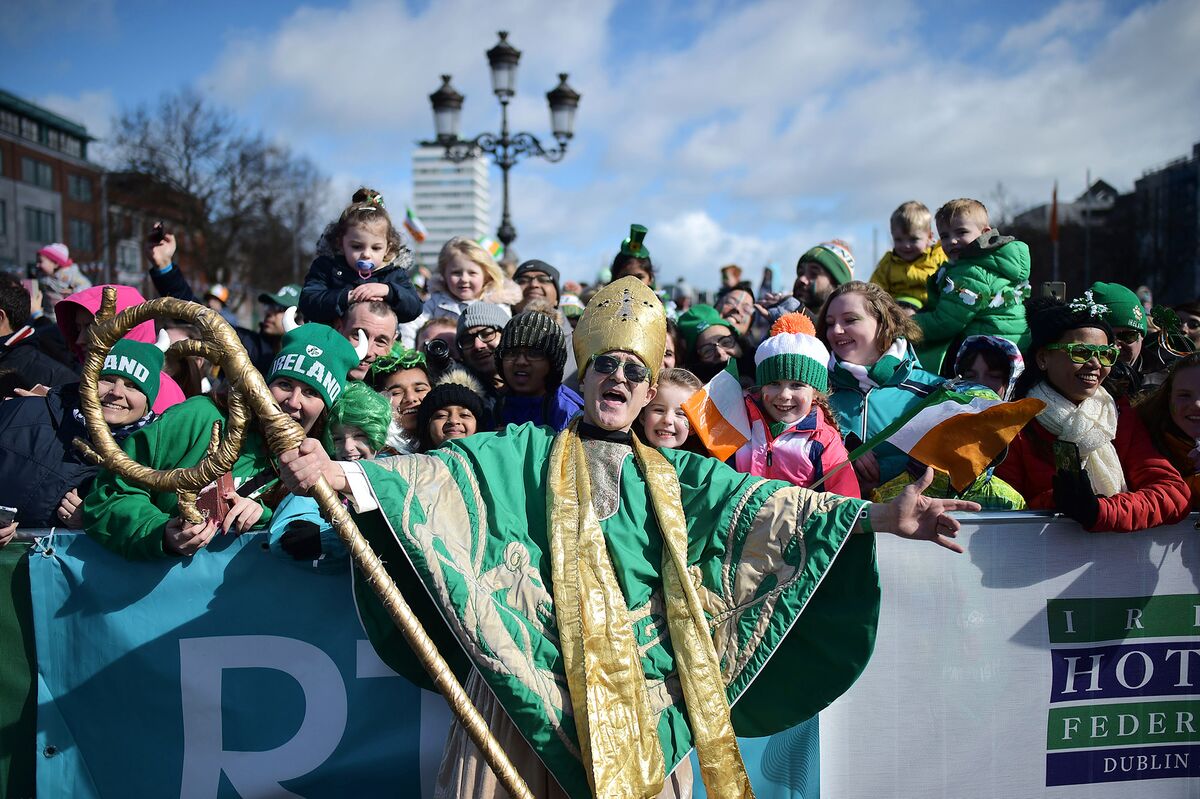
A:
x: 1157, y: 494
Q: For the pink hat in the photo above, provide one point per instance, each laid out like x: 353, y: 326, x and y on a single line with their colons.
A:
x: 58, y: 253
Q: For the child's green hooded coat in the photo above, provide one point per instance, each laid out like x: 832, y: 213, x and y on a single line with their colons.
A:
x: 982, y: 293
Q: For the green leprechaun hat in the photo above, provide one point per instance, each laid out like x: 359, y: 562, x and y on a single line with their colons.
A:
x: 633, y: 245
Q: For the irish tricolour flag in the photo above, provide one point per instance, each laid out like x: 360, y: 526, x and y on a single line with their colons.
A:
x: 957, y: 430
x: 416, y: 228
x: 718, y: 415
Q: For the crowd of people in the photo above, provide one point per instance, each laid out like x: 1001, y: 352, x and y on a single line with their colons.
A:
x: 371, y: 363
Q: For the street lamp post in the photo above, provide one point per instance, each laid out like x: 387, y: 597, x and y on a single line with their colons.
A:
x: 506, y: 149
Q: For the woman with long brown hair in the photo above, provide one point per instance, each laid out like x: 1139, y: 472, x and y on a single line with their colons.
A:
x: 1171, y: 414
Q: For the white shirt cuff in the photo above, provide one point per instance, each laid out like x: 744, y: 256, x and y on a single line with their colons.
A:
x: 361, y: 495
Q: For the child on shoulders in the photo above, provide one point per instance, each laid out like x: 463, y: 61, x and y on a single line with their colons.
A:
x: 59, y: 276
x: 360, y: 258
x: 904, y: 270
x: 980, y: 290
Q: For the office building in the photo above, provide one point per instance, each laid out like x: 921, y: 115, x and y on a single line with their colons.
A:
x: 451, y: 199
x: 49, y: 191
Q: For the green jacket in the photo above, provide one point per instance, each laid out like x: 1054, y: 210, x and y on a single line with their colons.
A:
x: 982, y: 293
x: 131, y: 520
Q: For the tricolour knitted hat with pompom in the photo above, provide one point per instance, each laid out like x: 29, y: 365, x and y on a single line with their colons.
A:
x: 793, y: 352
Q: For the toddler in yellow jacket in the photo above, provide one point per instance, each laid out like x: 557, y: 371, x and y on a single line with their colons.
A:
x: 914, y: 258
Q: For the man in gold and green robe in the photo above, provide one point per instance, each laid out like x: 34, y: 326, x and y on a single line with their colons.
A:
x: 612, y: 606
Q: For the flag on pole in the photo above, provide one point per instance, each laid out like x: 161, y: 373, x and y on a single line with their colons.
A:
x: 416, y: 228
x: 718, y: 415
x: 1054, y: 214
x: 957, y: 430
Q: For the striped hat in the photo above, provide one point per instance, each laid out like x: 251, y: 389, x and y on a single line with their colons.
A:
x: 536, y: 331
x: 793, y: 352
x: 835, y: 257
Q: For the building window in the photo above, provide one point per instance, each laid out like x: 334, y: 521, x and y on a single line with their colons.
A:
x: 29, y: 129
x: 37, y: 172
x: 129, y: 255
x: 10, y: 123
x: 80, y: 188
x: 79, y: 234
x: 3, y: 218
x: 72, y: 146
x: 39, y: 225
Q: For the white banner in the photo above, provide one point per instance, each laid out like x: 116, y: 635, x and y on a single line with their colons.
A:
x: 1046, y: 661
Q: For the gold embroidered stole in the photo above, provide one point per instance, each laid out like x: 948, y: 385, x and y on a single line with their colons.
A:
x: 618, y: 731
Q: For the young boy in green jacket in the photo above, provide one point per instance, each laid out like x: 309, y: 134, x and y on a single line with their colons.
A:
x: 981, y: 289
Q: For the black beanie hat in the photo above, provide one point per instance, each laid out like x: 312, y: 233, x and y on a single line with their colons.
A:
x: 536, y: 331
x: 1050, y: 318
x: 541, y: 266
x: 455, y: 387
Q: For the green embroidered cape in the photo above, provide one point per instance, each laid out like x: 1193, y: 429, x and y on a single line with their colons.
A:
x: 792, y: 598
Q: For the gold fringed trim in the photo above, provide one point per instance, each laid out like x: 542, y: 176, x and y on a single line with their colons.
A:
x: 696, y: 661
x: 618, y: 730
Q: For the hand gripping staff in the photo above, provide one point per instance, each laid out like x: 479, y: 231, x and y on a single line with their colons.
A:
x: 248, y: 395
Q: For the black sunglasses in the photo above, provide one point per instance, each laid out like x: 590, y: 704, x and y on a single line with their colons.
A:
x: 634, y: 372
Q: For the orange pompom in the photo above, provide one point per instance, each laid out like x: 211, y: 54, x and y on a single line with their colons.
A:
x: 793, y: 323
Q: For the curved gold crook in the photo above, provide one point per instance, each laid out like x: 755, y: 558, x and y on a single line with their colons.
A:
x: 248, y: 394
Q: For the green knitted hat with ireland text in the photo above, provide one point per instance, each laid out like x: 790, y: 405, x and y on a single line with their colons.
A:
x: 317, y: 356
x: 139, y: 363
x: 1124, y: 307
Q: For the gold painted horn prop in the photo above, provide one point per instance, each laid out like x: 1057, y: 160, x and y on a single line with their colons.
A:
x: 248, y: 395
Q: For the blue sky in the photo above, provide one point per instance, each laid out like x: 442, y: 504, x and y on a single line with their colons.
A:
x: 740, y: 132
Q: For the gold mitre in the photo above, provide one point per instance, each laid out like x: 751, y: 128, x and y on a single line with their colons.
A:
x: 625, y: 315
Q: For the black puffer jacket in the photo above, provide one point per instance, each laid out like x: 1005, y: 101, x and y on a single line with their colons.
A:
x: 38, y: 462
x: 31, y: 363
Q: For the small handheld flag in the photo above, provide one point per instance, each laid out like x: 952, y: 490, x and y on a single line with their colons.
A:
x: 718, y: 415
x: 416, y: 228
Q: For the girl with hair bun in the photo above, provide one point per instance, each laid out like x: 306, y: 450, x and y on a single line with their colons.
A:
x: 360, y: 258
x: 1086, y: 454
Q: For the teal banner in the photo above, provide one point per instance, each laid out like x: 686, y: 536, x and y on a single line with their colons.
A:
x: 239, y: 673
x: 233, y: 674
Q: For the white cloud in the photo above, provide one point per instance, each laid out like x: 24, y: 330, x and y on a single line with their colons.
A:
x: 780, y: 125
x: 1068, y: 18
x: 92, y: 109
x: 368, y: 69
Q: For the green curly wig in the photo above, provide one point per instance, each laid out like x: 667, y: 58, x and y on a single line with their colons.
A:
x: 362, y: 407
